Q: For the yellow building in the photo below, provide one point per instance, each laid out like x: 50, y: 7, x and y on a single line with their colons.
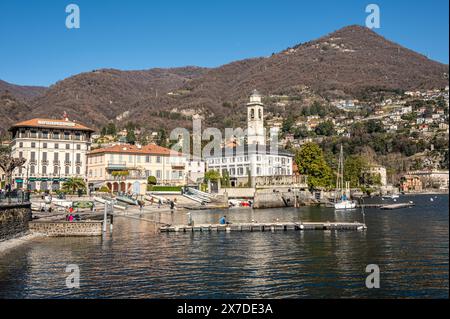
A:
x: 125, y: 168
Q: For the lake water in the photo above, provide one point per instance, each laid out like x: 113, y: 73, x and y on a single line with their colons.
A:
x: 410, y: 246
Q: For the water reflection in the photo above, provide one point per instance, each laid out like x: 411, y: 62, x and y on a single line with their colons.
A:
x: 410, y: 246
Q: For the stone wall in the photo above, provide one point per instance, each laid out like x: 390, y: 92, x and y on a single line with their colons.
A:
x: 14, y: 220
x: 278, y: 199
x: 238, y: 192
x: 67, y: 229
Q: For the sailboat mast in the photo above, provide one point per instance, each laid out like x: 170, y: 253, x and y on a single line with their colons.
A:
x: 342, y: 170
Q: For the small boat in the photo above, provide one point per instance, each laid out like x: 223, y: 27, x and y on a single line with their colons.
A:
x: 62, y: 203
x: 392, y: 196
x: 127, y: 200
x: 345, y: 204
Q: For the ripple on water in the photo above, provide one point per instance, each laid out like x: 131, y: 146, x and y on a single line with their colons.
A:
x: 410, y: 246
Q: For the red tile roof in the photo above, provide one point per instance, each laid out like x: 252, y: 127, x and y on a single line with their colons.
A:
x: 150, y: 149
x: 52, y: 123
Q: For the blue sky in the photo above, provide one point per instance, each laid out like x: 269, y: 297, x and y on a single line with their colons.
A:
x: 36, y: 48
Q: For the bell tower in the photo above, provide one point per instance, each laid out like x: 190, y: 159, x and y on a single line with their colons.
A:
x: 255, y: 120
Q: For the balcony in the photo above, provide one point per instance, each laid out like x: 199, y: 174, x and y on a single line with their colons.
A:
x: 67, y: 162
x: 116, y: 165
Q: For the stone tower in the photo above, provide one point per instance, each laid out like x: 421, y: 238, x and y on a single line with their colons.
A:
x: 255, y: 120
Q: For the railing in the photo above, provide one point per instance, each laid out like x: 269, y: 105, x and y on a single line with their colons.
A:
x: 117, y: 164
x: 14, y: 197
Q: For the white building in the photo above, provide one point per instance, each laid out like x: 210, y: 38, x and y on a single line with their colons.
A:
x: 55, y: 150
x: 255, y: 158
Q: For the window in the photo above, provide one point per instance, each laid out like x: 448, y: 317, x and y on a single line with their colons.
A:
x: 66, y: 135
x: 45, y: 135
x: 33, y: 134
x: 32, y: 170
x: 67, y: 157
x: 77, y: 136
x: 44, y: 170
x: 33, y: 144
x: 20, y: 154
x: 78, y: 170
x: 55, y: 157
x: 67, y: 146
x: 56, y: 136
x: 67, y: 170
x: 158, y: 174
x: 56, y: 146
x: 21, y: 144
x: 44, y: 156
x: 33, y: 156
x: 78, y: 147
x: 158, y: 159
x: 44, y: 145
x: 55, y: 170
x: 148, y: 159
x: 78, y: 156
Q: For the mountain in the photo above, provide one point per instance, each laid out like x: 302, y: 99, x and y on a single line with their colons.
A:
x: 345, y: 63
x: 24, y: 93
x: 97, y: 97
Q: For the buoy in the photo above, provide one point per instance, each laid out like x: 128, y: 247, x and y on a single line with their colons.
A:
x: 431, y: 199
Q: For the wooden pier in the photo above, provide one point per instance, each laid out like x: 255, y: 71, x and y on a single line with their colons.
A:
x: 261, y: 227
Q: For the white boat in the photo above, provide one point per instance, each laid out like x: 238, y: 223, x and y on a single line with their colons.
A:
x: 392, y: 196
x: 342, y: 202
x: 345, y: 205
x: 62, y: 203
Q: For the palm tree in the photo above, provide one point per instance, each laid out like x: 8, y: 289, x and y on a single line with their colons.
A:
x: 73, y: 184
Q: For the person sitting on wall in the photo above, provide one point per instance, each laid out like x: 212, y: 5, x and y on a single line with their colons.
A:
x: 223, y: 220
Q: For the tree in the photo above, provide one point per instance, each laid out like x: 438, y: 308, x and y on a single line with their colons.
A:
x: 151, y: 180
x: 73, y: 184
x: 354, y: 168
x: 225, y: 181
x: 311, y: 162
x: 131, y: 137
x: 212, y: 175
x: 325, y: 128
x: 8, y: 164
x: 111, y: 129
x: 162, y: 138
x: 288, y: 123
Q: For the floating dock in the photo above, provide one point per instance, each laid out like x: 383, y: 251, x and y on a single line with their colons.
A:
x: 257, y: 227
